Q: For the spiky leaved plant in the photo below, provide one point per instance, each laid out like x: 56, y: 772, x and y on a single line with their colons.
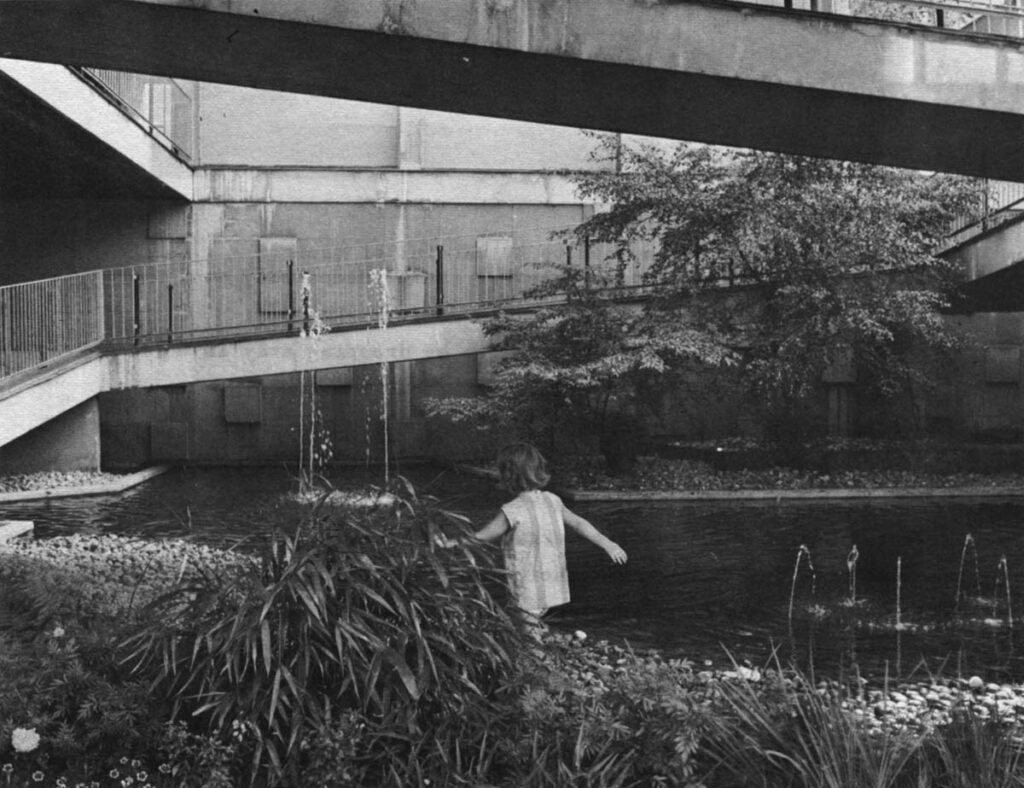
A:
x: 353, y: 617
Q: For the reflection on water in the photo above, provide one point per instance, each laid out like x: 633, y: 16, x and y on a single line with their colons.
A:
x: 716, y: 578
x: 704, y: 579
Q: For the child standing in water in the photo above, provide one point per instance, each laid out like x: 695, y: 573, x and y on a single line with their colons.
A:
x: 532, y: 529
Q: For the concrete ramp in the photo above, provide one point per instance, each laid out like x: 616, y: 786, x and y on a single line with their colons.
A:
x: 79, y: 104
x: 717, y: 72
x: 37, y: 402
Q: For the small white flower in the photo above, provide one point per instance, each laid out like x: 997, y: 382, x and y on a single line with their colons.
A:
x: 58, y: 631
x: 24, y: 739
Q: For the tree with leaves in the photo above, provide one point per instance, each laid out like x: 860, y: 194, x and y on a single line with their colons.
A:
x: 584, y: 367
x: 800, y: 263
x: 786, y: 266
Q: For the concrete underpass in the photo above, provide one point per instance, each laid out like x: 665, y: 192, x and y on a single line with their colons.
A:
x: 718, y: 72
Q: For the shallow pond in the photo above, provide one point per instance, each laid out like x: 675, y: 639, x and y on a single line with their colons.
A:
x: 704, y: 580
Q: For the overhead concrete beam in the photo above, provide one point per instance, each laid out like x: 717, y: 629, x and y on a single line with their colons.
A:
x: 382, y: 186
x: 717, y: 72
x: 82, y: 105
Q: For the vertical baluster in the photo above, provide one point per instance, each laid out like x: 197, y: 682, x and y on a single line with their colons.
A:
x: 291, y: 293
x: 136, y: 306
x: 439, y: 286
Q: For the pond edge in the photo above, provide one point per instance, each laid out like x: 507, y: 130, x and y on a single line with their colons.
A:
x: 836, y: 493
x: 115, y: 486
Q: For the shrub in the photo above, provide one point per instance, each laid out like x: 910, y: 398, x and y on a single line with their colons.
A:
x: 81, y: 714
x: 607, y: 717
x: 350, y: 622
x: 65, y: 604
x: 972, y: 753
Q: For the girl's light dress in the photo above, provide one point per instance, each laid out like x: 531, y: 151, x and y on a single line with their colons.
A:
x: 534, y: 551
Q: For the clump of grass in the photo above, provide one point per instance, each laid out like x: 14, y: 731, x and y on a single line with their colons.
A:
x: 784, y: 732
x: 350, y: 624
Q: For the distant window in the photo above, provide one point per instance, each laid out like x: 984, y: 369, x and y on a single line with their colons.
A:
x: 494, y: 255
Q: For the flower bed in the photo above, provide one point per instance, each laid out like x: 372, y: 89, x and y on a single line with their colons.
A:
x: 70, y: 713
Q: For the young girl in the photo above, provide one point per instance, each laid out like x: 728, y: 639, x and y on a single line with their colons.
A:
x: 531, y: 527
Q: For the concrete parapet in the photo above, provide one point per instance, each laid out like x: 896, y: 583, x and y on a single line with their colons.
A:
x: 9, y: 529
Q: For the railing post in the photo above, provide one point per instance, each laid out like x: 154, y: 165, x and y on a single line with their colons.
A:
x: 291, y: 294
x: 985, y: 207
x: 586, y: 262
x: 568, y: 256
x: 3, y: 333
x: 170, y: 313
x: 305, y: 303
x: 439, y: 300
x: 136, y: 304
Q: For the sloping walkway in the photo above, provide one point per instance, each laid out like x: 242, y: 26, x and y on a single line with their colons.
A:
x: 39, y: 399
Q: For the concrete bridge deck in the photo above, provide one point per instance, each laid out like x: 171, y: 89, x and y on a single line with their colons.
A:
x: 718, y: 72
x: 46, y: 396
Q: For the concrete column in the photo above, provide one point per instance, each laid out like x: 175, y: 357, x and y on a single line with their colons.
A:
x: 410, y: 138
x: 69, y: 442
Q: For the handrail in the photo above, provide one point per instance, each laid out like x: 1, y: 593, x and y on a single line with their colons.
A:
x: 46, y: 320
x: 158, y: 104
x: 231, y: 298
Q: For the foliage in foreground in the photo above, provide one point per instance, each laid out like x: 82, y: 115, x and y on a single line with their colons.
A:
x: 349, y: 640
x: 65, y: 605
x: 784, y: 733
x: 433, y: 686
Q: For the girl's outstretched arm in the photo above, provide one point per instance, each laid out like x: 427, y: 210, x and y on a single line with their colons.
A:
x: 495, y: 529
x: 589, y: 532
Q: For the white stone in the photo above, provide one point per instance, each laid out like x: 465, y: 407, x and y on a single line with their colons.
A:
x: 12, y: 528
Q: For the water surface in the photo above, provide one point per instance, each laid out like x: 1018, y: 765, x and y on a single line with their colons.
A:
x: 707, y: 581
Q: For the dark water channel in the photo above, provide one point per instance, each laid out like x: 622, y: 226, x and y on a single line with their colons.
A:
x: 704, y: 580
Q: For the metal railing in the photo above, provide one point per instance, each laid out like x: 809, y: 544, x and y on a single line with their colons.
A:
x: 237, y: 297
x: 159, y: 104
x: 44, y: 321
x: 998, y: 202
x: 257, y: 295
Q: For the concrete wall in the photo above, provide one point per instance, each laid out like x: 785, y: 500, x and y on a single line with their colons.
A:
x: 70, y: 442
x: 985, y: 397
x: 44, y: 238
x: 340, y: 242
x: 257, y: 420
x: 349, y: 231
x: 262, y: 128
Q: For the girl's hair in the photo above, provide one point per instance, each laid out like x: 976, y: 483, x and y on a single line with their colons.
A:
x: 521, y: 467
